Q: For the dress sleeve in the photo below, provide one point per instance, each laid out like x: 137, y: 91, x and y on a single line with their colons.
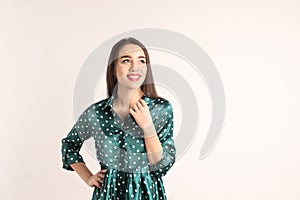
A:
x: 72, y: 143
x: 165, y: 134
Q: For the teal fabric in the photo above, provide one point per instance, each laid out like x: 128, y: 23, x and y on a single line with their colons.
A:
x: 120, y: 148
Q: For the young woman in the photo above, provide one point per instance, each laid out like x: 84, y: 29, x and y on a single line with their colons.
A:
x: 132, y: 129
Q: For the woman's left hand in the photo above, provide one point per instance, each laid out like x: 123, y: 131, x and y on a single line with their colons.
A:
x: 141, y: 114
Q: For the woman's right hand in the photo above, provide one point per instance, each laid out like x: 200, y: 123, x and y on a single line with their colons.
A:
x: 96, y: 180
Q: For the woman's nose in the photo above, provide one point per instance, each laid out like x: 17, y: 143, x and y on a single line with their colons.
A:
x: 134, y: 65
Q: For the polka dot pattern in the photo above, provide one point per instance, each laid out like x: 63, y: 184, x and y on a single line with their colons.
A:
x: 120, y: 149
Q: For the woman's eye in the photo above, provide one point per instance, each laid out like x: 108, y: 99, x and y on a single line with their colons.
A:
x: 127, y: 60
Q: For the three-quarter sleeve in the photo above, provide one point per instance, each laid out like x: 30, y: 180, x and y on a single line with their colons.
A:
x: 72, y: 143
x: 165, y: 134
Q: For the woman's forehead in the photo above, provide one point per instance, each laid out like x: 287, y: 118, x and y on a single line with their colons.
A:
x: 131, y: 49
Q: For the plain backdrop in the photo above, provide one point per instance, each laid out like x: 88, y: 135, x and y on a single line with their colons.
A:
x: 254, y: 45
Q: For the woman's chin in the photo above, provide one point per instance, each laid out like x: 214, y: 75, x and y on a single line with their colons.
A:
x: 131, y: 85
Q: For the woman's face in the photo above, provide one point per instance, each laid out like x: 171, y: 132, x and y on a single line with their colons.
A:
x: 131, y: 66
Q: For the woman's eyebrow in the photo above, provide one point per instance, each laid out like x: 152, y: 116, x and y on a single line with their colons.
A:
x: 127, y: 56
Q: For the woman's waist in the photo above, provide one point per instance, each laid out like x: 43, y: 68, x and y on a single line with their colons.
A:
x: 125, y: 167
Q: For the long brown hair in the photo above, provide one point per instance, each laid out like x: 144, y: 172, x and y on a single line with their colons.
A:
x: 148, y: 86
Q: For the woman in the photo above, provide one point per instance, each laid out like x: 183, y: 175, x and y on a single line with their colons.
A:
x: 132, y: 129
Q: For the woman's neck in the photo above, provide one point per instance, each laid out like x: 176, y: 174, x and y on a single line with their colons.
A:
x: 126, y: 98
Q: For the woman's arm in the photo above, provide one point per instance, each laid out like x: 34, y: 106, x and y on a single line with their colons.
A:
x: 71, y: 145
x: 85, y: 174
x: 165, y: 135
x: 81, y: 169
x: 141, y: 113
x: 153, y: 145
x: 160, y: 146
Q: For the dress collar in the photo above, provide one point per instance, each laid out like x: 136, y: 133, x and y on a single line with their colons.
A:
x: 109, y: 101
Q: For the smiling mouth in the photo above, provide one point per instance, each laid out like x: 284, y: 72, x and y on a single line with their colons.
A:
x: 134, y: 77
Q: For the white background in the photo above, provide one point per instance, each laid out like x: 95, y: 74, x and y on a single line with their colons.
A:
x: 254, y: 45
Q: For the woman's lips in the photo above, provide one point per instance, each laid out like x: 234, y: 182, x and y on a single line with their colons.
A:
x: 134, y: 77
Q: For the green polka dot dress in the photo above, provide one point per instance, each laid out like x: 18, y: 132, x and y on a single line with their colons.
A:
x: 121, y: 149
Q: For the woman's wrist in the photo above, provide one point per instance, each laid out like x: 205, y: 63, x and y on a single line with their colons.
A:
x: 149, y: 130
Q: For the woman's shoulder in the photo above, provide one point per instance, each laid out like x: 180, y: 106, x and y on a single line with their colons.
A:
x: 163, y: 103
x: 93, y: 107
x: 101, y: 102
